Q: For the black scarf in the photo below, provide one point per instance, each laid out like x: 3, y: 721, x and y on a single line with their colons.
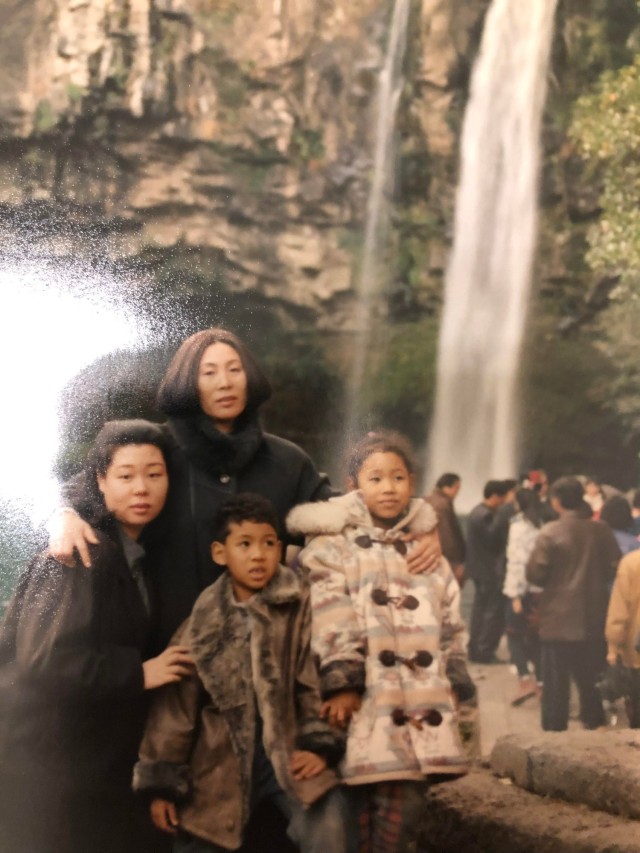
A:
x: 213, y: 451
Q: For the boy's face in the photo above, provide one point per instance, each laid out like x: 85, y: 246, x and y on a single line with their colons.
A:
x: 251, y: 553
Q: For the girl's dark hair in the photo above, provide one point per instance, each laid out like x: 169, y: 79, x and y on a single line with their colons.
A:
x: 617, y: 513
x: 112, y: 436
x: 178, y: 391
x: 382, y: 441
x: 529, y: 504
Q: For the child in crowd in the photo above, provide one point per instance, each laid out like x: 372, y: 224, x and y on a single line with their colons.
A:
x: 387, y: 641
x: 246, y: 726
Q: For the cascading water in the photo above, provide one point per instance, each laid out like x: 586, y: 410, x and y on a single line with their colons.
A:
x: 488, y: 279
x: 390, y: 84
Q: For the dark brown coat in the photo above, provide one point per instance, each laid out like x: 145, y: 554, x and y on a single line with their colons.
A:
x: 574, y: 560
x: 449, y: 529
x: 72, y: 706
x: 199, y: 741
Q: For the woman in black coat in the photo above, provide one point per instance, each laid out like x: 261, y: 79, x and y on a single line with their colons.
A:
x: 74, y: 667
x: 211, y: 393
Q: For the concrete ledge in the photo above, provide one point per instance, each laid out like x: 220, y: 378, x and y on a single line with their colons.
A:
x: 483, y: 814
x: 599, y: 769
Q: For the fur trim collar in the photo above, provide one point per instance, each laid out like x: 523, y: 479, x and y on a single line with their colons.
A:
x: 218, y: 627
x: 216, y: 452
x: 332, y: 516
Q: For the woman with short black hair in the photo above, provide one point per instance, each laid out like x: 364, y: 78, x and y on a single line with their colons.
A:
x: 75, y: 666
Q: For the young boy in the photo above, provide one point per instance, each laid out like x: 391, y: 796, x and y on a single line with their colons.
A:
x: 246, y: 726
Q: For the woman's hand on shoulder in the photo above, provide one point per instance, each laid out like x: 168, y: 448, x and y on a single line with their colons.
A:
x: 174, y: 664
x: 69, y: 533
x: 306, y: 765
x: 164, y: 815
x: 426, y: 553
x: 340, y: 708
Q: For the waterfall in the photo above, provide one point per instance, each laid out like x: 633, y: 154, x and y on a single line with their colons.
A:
x: 488, y: 279
x: 390, y: 84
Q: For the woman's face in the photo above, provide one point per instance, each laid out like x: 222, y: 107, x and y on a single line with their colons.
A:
x: 135, y: 486
x: 222, y: 385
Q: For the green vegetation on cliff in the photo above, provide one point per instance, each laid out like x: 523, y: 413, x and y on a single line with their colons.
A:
x: 605, y: 130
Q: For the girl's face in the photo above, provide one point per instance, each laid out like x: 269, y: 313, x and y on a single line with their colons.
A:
x: 386, y: 486
x: 135, y: 486
x: 222, y: 385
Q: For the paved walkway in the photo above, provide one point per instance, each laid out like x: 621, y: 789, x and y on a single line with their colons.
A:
x: 497, y: 686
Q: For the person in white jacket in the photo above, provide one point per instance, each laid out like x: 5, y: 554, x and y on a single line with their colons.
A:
x: 521, y: 617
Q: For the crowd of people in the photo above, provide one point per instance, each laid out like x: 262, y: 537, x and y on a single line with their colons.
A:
x: 555, y: 568
x: 176, y: 674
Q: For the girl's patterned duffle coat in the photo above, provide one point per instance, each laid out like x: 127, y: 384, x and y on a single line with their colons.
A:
x: 386, y: 633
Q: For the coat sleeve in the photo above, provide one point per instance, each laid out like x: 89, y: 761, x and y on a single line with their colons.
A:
x: 314, y: 733
x: 169, y: 737
x: 619, y: 614
x: 56, y: 638
x: 453, y: 640
x: 539, y: 563
x: 312, y: 485
x: 519, y: 548
x: 612, y: 553
x: 451, y: 536
x: 336, y: 637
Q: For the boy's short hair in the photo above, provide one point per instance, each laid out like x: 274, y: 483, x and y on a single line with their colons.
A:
x: 243, y: 507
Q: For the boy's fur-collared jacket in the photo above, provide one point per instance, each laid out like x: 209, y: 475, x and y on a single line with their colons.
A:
x: 389, y: 634
x: 199, y: 741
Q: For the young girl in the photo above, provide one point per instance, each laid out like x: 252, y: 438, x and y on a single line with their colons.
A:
x: 73, y: 672
x: 386, y: 640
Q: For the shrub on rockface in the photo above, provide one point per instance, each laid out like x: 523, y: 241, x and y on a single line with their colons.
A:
x: 605, y: 129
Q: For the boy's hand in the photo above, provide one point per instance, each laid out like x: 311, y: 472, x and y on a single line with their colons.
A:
x: 306, y: 765
x: 341, y: 707
x: 173, y: 664
x: 164, y: 815
x: 425, y: 554
x: 516, y: 604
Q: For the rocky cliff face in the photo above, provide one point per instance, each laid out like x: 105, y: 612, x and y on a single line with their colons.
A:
x: 230, y: 137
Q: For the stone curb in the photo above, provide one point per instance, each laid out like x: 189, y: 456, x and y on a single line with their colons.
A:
x: 483, y: 814
x: 598, y: 769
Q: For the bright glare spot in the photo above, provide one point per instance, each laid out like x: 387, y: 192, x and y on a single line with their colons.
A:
x: 53, y: 323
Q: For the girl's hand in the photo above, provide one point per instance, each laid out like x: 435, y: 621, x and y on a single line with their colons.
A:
x: 164, y: 815
x: 68, y: 533
x: 172, y: 665
x: 426, y: 553
x: 341, y: 707
x: 516, y: 605
x: 612, y: 657
x: 306, y: 765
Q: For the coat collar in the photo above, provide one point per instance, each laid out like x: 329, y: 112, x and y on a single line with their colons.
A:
x: 217, y: 633
x: 332, y: 516
x: 212, y: 451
